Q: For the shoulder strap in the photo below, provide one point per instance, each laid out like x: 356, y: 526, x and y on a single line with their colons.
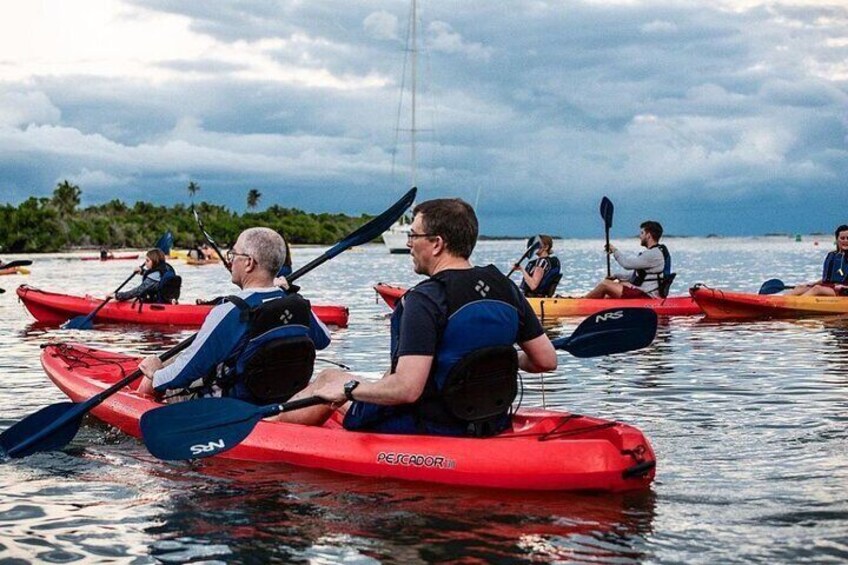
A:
x: 242, y: 305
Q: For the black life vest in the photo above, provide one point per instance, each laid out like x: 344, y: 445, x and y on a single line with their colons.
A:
x: 550, y: 280
x: 641, y: 275
x: 835, y: 270
x: 276, y: 357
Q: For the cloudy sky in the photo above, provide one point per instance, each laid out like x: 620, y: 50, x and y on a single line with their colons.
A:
x: 725, y: 116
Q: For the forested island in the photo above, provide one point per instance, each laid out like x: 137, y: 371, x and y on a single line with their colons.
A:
x: 58, y: 223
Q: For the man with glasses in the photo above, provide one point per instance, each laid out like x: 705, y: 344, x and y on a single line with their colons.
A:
x: 453, y: 337
x: 216, y: 357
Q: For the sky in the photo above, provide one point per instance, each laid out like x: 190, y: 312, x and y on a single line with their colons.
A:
x: 724, y: 117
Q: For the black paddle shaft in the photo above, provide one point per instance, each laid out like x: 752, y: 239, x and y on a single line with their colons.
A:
x: 606, y: 213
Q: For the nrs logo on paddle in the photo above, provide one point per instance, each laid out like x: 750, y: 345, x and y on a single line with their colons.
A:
x: 609, y: 316
x: 201, y: 448
x: 415, y: 460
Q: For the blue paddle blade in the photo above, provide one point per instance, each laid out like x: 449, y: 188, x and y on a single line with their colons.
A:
x: 606, y: 211
x: 49, y: 429
x: 611, y: 331
x: 165, y: 242
x: 772, y: 286
x: 79, y: 323
x: 198, y: 428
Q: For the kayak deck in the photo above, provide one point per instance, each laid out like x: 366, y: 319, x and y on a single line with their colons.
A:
x: 560, y: 307
x: 546, y: 450
x: 56, y: 308
x: 726, y: 305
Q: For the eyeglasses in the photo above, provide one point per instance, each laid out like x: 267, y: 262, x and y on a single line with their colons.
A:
x: 412, y: 235
x: 232, y: 254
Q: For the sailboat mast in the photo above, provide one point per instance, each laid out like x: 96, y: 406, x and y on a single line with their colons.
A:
x: 413, y: 161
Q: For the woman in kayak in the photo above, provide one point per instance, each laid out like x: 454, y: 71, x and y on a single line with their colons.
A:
x: 461, y: 322
x: 834, y: 281
x: 542, y: 274
x: 159, y: 284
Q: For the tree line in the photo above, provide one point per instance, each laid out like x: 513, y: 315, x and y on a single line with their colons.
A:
x: 59, y: 223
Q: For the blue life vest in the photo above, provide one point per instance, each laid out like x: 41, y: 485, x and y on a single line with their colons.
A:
x: 482, y: 312
x: 168, y: 287
x: 549, y: 279
x: 276, y: 356
x: 835, y: 270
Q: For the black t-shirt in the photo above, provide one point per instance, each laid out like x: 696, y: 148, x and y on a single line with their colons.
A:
x: 425, y: 315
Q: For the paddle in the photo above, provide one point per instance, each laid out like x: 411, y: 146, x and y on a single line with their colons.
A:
x: 86, y: 322
x: 606, y: 214
x: 611, y: 331
x: 210, y: 240
x: 773, y: 286
x: 18, y: 263
x: 533, y: 244
x: 54, y: 426
x: 209, y: 426
x: 165, y: 242
x: 2, y: 290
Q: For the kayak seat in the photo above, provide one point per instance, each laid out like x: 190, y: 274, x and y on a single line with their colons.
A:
x: 279, y: 369
x: 170, y: 289
x: 665, y: 285
x: 481, y: 387
x: 553, y: 286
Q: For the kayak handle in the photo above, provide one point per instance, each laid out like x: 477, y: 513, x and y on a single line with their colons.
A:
x: 638, y: 470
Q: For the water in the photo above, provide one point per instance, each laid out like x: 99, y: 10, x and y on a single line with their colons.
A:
x: 748, y: 421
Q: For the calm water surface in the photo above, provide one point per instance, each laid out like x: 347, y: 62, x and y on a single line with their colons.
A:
x: 748, y: 421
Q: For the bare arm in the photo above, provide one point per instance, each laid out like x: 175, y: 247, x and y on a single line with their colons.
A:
x: 537, y: 355
x: 404, y: 386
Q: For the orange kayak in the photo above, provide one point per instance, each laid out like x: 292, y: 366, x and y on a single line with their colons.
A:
x: 723, y: 304
x: 560, y: 307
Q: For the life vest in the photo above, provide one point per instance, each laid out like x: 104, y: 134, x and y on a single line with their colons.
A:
x: 640, y: 276
x: 835, y: 268
x: 276, y: 357
x: 168, y: 287
x: 474, y: 376
x: 547, y: 286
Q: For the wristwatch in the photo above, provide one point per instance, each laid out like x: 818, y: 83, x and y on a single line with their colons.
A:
x: 349, y: 387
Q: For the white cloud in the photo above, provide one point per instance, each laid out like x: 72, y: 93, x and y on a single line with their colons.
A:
x: 22, y: 108
x: 443, y: 38
x: 381, y: 25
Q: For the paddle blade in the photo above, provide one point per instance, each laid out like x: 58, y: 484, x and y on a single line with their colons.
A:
x: 772, y: 286
x: 18, y: 263
x: 165, y: 242
x: 611, y: 331
x: 198, y: 428
x: 79, y: 323
x: 2, y: 290
x: 49, y: 429
x: 364, y: 234
x: 606, y: 211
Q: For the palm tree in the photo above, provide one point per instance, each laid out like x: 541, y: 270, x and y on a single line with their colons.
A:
x: 253, y: 198
x: 193, y: 188
x: 66, y: 197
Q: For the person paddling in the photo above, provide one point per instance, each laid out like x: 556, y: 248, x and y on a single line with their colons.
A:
x: 105, y: 254
x: 159, y: 284
x: 651, y: 268
x: 834, y: 280
x: 460, y: 323
x: 250, y: 344
x: 541, y: 276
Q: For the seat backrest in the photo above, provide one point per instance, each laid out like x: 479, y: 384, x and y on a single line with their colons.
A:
x: 553, y: 286
x: 665, y: 285
x: 169, y: 289
x: 483, y: 384
x: 279, y: 369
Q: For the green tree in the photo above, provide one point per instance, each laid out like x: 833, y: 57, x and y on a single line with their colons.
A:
x: 253, y: 197
x: 193, y: 188
x: 66, y: 198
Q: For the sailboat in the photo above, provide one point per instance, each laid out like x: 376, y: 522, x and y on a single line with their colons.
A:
x: 395, y: 237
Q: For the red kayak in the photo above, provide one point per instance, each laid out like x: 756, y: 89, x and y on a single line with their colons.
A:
x: 560, y: 307
x: 546, y: 450
x: 725, y: 305
x: 124, y: 257
x: 55, y: 308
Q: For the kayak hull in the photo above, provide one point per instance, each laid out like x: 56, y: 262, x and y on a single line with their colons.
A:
x: 725, y: 305
x: 547, y: 450
x: 125, y: 257
x: 560, y: 307
x: 14, y: 271
x: 55, y: 308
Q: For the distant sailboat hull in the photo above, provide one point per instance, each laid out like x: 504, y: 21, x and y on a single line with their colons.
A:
x: 395, y: 238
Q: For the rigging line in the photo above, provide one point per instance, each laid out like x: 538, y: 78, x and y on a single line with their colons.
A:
x: 400, y: 96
